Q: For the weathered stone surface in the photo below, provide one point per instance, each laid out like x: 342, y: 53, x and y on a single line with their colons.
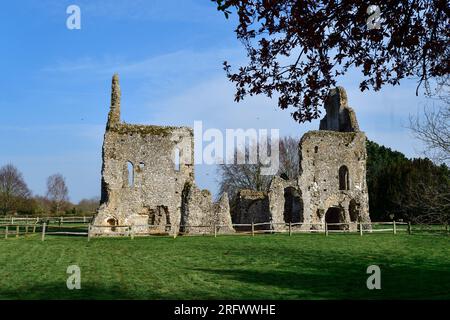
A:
x: 144, y: 175
x: 339, y: 117
x: 251, y: 207
x: 222, y: 215
x: 332, y: 182
x: 144, y: 187
x: 333, y: 174
x: 197, y: 210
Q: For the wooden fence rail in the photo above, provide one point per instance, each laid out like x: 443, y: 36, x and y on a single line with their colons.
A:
x: 9, y: 230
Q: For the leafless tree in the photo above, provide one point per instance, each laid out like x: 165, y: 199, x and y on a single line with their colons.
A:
x: 289, y: 157
x: 13, y: 189
x: 235, y: 177
x: 57, y: 191
x: 433, y: 128
x: 431, y: 199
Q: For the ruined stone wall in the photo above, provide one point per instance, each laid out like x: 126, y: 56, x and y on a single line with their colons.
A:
x: 332, y: 178
x: 156, y: 184
x: 286, y: 203
x: 148, y: 179
x: 140, y: 180
x: 251, y: 206
x: 201, y: 215
x: 323, y: 154
x: 339, y: 117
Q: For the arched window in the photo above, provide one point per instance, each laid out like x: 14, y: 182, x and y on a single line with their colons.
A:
x: 344, y: 180
x: 130, y: 171
x: 177, y: 159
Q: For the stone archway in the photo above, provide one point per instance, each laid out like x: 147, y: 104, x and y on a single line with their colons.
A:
x: 334, y: 215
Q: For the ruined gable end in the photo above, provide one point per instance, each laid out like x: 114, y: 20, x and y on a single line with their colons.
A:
x: 144, y: 173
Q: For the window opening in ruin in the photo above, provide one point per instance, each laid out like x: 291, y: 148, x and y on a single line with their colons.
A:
x: 177, y: 159
x: 141, y: 166
x: 293, y: 206
x: 344, y: 181
x: 130, y: 169
x: 316, y: 149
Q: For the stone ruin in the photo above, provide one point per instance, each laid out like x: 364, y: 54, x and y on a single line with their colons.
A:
x: 148, y: 181
x: 331, y: 187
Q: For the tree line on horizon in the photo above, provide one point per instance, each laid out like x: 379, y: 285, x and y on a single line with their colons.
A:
x: 17, y: 199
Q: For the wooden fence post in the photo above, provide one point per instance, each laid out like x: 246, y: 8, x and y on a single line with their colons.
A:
x: 360, y: 229
x: 17, y: 231
x: 326, y: 229
x: 290, y: 229
x: 253, y: 229
x: 409, y: 228
x: 6, y: 232
x: 175, y: 233
x: 26, y: 229
x: 89, y: 233
x: 215, y: 231
x: 394, y: 228
x: 34, y: 228
x: 43, y: 232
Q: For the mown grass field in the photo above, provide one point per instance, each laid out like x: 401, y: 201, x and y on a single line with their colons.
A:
x: 304, y: 266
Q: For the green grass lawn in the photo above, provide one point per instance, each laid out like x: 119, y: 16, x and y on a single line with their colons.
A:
x: 304, y: 266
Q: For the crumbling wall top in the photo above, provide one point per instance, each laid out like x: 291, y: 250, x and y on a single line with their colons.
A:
x: 339, y: 117
x: 125, y: 128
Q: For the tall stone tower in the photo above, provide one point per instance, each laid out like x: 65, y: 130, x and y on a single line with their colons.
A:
x: 333, y: 167
x: 145, y: 169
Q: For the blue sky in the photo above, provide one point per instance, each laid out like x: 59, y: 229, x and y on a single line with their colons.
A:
x: 56, y: 85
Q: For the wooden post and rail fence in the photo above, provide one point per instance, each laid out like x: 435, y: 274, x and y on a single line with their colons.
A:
x: 57, y: 227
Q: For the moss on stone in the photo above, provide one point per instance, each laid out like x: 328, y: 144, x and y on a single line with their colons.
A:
x: 124, y: 128
x: 347, y: 137
x: 252, y: 195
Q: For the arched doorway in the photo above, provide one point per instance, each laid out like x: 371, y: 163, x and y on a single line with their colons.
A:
x: 334, y: 215
x: 293, y: 206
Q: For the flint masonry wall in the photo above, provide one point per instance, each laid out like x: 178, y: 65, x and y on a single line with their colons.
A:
x: 333, y: 167
x: 333, y: 178
x: 145, y: 173
x: 332, y: 182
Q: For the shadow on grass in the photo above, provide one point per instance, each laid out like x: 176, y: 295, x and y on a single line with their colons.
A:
x: 341, y: 282
x: 56, y: 291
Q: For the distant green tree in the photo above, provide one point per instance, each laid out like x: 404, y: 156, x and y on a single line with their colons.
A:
x: 415, y: 190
